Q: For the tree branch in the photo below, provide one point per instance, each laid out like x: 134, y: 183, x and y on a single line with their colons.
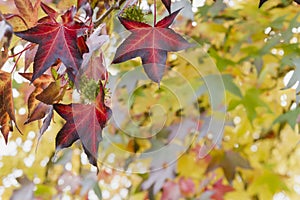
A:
x: 108, y: 11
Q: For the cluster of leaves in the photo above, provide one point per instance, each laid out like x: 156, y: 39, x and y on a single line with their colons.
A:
x: 64, y: 48
x: 60, y: 46
x: 59, y: 49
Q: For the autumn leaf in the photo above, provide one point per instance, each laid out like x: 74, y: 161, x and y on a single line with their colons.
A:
x: 96, y: 69
x: 6, y: 32
x: 171, y: 191
x: 187, y: 186
x: 51, y: 13
x: 167, y: 4
x: 93, y: 66
x: 36, y: 109
x: 228, y: 161
x: 86, y: 6
x: 84, y: 122
x: 220, y: 190
x: 29, y: 56
x: 7, y: 111
x: 151, y: 44
x: 46, y: 122
x: 57, y: 41
x: 46, y: 92
x: 53, y: 93
x: 28, y: 11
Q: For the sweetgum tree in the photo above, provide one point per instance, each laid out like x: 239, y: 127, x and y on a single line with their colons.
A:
x: 149, y: 99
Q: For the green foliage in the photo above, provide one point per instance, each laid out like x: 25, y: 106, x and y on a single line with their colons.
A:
x: 290, y: 117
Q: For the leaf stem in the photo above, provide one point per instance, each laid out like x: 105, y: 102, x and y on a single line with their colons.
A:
x: 15, y: 65
x: 108, y: 11
x: 10, y: 16
x: 154, y: 13
x: 25, y: 49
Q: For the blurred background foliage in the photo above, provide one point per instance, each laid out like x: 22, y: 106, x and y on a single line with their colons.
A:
x: 257, y: 53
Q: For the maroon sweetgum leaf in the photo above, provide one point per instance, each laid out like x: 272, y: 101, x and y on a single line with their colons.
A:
x: 52, y: 14
x: 151, y: 44
x: 167, y: 4
x: 84, y: 122
x: 56, y: 42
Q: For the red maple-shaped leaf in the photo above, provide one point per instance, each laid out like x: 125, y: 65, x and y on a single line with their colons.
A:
x: 220, y: 190
x: 84, y: 122
x: 167, y: 4
x: 151, y: 44
x: 56, y: 41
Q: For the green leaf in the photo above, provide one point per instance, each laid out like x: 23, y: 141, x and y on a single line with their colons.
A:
x: 268, y: 180
x: 44, y: 190
x: 217, y: 7
x: 278, y: 22
x: 54, y: 73
x: 288, y: 34
x: 98, y: 191
x: 252, y: 100
x: 221, y: 62
x: 231, y: 86
x: 233, y: 104
x: 289, y: 117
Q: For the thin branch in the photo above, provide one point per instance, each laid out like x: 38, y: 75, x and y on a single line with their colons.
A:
x: 10, y: 16
x: 154, y: 14
x: 25, y: 49
x: 108, y: 11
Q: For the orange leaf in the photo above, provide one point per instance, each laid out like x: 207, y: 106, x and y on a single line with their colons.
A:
x: 50, y: 94
x: 36, y: 109
x: 7, y: 110
x: 28, y: 11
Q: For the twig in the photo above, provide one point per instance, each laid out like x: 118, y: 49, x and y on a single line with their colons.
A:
x: 108, y: 11
x: 154, y: 14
